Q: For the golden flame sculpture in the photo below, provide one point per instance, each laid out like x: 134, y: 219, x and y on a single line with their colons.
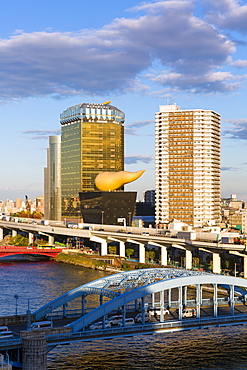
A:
x: 108, y: 181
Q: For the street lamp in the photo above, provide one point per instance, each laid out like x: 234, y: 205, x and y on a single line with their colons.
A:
x: 16, y: 304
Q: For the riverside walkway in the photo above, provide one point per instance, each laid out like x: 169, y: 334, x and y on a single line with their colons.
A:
x: 217, y: 300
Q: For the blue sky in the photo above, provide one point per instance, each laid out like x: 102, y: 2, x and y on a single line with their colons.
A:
x: 139, y: 55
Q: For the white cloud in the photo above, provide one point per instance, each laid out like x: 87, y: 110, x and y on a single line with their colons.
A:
x: 227, y: 14
x: 238, y: 129
x: 160, y: 6
x: 132, y: 159
x: 114, y: 58
x: 208, y: 83
x: 239, y: 63
x: 228, y: 169
x: 131, y: 129
x: 41, y: 134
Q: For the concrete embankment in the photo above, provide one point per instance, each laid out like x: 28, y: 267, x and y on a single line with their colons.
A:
x: 75, y: 257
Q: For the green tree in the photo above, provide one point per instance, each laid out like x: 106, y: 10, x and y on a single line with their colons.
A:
x: 129, y: 252
x: 18, y: 240
x: 112, y: 249
x: 150, y: 255
x: 146, y: 255
x: 26, y: 214
x: 195, y: 262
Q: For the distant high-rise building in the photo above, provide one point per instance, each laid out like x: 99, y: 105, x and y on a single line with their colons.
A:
x: 19, y: 203
x: 39, y: 203
x: 187, y: 174
x: 52, y: 180
x: 46, y: 191
x: 92, y: 142
x: 149, y: 197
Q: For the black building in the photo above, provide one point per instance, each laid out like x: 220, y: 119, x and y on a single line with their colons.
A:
x: 102, y: 207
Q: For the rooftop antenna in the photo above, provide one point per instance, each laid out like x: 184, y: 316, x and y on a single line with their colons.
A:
x: 169, y: 101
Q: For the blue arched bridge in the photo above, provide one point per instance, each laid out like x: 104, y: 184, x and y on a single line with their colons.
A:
x: 163, y: 300
x: 191, y: 297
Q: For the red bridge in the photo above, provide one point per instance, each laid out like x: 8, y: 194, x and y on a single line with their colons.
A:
x: 11, y: 250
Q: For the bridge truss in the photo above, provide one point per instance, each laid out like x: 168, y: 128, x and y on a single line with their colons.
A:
x: 139, y: 290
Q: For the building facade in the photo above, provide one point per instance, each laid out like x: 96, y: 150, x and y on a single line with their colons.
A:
x: 52, y: 180
x: 149, y: 197
x: 187, y: 166
x: 92, y: 142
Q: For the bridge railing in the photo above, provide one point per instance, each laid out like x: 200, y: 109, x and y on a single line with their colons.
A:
x: 10, y: 343
x: 72, y: 313
x: 205, y: 302
x: 152, y: 327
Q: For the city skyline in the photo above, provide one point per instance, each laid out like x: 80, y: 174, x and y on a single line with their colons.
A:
x: 60, y: 54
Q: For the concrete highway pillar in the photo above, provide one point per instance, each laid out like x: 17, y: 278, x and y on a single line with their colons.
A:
x: 50, y: 239
x: 30, y: 238
x: 163, y: 256
x: 103, y: 249
x: 34, y: 353
x: 14, y: 233
x: 141, y: 253
x: 216, y: 263
x: 188, y: 259
x: 122, y: 249
x: 245, y: 267
x: 1, y: 233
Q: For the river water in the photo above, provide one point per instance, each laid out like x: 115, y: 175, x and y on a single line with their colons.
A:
x: 218, y: 349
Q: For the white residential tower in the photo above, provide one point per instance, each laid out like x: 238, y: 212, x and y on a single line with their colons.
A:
x: 187, y: 175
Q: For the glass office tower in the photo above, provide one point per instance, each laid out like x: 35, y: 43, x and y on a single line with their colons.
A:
x: 92, y: 142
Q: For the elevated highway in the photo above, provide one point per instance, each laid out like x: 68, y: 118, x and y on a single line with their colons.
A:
x: 104, y: 234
